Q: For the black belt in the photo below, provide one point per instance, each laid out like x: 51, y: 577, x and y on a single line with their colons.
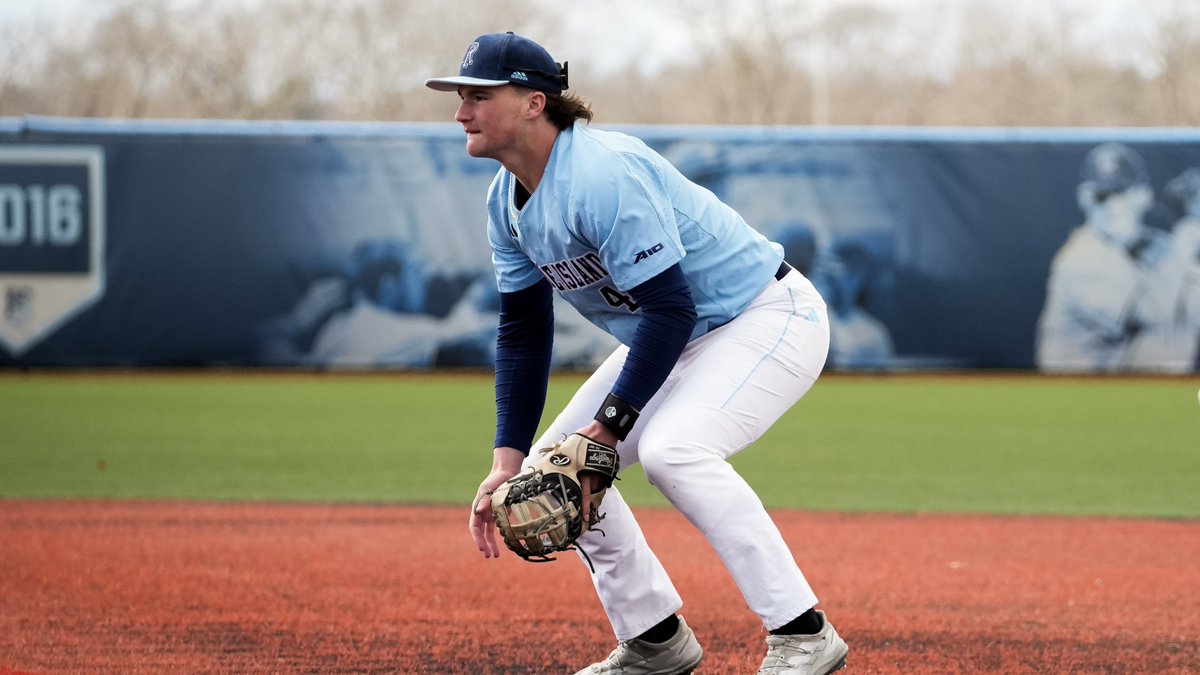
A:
x: 783, y: 270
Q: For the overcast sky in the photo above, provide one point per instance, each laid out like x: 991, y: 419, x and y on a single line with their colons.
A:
x: 17, y: 11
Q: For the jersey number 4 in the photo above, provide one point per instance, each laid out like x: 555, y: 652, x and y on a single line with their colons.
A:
x: 616, y: 298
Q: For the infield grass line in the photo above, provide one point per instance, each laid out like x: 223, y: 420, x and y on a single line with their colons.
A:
x: 1006, y: 444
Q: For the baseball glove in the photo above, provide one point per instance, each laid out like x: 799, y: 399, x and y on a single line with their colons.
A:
x: 540, y: 510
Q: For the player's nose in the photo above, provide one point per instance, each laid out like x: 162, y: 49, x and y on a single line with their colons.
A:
x: 462, y: 115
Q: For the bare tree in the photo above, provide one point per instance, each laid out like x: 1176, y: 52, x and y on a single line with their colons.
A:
x: 764, y: 62
x: 1178, y: 53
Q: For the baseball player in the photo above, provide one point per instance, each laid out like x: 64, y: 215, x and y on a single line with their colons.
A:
x: 1117, y: 287
x: 371, y: 315
x: 719, y: 338
x: 1181, y: 202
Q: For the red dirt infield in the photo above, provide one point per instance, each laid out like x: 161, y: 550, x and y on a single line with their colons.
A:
x: 151, y: 587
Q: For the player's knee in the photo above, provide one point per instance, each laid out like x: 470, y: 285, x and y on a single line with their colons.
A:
x: 662, y: 461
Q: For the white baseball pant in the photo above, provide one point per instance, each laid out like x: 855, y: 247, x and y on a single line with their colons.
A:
x: 728, y: 387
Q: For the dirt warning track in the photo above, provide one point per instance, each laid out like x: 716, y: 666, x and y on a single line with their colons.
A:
x: 150, y: 587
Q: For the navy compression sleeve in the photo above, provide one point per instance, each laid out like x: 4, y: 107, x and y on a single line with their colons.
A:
x: 668, y: 316
x: 523, y: 346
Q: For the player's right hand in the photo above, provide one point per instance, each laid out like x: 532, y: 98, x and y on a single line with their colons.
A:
x: 506, y: 463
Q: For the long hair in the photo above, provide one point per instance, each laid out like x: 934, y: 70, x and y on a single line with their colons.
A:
x: 563, y: 110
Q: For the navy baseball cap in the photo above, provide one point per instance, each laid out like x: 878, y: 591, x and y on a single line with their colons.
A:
x: 497, y: 59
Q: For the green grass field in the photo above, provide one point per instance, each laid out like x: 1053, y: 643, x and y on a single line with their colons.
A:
x: 984, y: 444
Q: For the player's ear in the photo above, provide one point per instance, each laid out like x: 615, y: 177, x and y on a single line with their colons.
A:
x: 535, y: 104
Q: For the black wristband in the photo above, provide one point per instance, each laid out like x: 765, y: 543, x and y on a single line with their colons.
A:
x: 617, y: 415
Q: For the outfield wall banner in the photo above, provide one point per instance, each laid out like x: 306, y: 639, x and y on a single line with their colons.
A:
x: 338, y: 245
x: 51, y: 239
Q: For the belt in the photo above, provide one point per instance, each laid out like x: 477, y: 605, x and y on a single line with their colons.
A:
x: 783, y: 270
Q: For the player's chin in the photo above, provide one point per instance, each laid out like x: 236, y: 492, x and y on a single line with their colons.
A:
x: 476, y: 146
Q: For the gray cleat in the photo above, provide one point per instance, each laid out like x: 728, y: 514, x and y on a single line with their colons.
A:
x: 817, y: 654
x: 677, y: 656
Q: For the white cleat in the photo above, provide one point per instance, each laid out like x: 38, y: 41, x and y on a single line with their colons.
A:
x: 819, y: 654
x: 677, y: 656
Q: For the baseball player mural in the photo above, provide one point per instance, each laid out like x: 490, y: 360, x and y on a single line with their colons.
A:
x: 1180, y: 201
x: 719, y: 337
x: 1121, y: 295
x: 371, y: 315
x: 844, y: 276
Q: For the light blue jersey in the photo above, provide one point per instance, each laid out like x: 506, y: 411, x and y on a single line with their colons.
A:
x: 610, y: 214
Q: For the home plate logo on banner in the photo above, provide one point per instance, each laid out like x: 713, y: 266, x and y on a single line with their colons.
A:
x: 51, y: 239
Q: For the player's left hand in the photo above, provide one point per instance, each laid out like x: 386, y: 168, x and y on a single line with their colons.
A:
x: 591, y: 482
